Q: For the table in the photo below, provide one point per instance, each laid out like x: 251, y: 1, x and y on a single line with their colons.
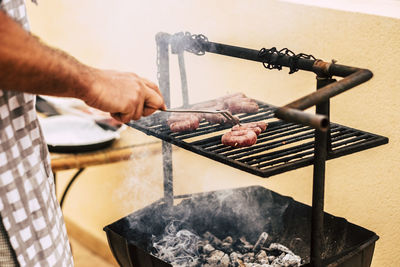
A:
x: 121, y: 150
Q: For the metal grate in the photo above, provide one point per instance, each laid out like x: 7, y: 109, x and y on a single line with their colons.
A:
x: 282, y: 147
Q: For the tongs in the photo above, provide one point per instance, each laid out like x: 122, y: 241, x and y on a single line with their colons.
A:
x: 227, y: 115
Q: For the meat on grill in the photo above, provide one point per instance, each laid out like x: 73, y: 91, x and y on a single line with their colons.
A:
x: 183, y: 122
x: 213, y: 105
x: 234, y: 103
x: 258, y: 127
x: 240, y: 138
x: 241, y: 105
x: 244, y: 135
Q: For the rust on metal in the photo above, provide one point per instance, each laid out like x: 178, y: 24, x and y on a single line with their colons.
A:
x: 321, y: 68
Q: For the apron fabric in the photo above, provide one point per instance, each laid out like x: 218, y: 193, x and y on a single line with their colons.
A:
x: 29, y: 210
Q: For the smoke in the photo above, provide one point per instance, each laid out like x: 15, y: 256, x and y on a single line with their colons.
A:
x: 142, y: 182
x: 178, y: 247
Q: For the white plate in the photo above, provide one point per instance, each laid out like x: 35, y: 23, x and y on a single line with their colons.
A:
x: 74, y: 131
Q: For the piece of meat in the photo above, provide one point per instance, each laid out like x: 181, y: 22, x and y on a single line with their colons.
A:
x: 255, y: 129
x: 183, y: 122
x: 258, y: 127
x: 213, y: 118
x: 241, y: 105
x: 241, y: 138
x: 231, y: 96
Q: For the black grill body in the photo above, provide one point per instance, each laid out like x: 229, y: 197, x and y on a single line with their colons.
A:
x: 240, y: 212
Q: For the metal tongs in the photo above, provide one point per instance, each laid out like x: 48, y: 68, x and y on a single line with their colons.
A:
x: 227, y: 115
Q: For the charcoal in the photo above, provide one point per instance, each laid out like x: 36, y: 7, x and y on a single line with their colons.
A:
x: 248, y: 257
x: 228, y: 239
x: 261, y: 241
x: 262, y: 255
x: 218, y: 258
x: 200, y: 246
x: 184, y: 248
x: 215, y: 241
x: 208, y: 248
x: 243, y: 241
x: 291, y: 260
x: 279, y: 247
x: 249, y: 247
x: 227, y: 247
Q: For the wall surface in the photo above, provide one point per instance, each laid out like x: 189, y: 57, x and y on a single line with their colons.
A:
x: 363, y: 188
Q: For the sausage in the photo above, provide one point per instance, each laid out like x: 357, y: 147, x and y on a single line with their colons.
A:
x: 215, y: 118
x: 262, y: 125
x: 241, y: 105
x: 232, y: 96
x: 240, y: 138
x: 183, y: 122
x: 257, y: 127
x: 218, y: 118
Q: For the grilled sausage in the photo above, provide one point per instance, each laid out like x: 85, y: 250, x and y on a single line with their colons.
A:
x: 241, y: 105
x: 257, y: 127
x: 240, y: 138
x: 231, y: 96
x: 183, y: 122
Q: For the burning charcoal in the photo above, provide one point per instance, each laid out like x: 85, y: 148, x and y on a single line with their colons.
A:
x: 261, y: 241
x: 227, y: 247
x: 215, y: 241
x: 243, y: 241
x: 234, y: 256
x: 225, y: 260
x: 208, y: 249
x: 239, y: 263
x: 248, y: 257
x: 200, y: 246
x: 249, y: 247
x: 262, y: 255
x: 218, y: 259
x: 228, y: 239
x: 291, y: 260
x: 276, y: 246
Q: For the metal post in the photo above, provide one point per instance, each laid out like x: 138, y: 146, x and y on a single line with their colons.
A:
x: 184, y: 85
x: 162, y: 40
x: 320, y: 153
x: 324, y: 108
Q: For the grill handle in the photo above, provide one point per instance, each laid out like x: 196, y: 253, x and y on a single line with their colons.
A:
x: 292, y: 112
x: 319, y: 122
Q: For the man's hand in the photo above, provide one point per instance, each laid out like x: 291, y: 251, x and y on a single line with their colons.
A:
x: 30, y: 66
x: 126, y: 96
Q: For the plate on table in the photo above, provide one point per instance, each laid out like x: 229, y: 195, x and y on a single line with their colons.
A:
x: 73, y: 134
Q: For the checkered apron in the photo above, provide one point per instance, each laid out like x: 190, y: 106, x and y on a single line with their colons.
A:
x: 30, y: 213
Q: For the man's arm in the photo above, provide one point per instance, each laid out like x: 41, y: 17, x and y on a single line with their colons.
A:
x: 28, y: 65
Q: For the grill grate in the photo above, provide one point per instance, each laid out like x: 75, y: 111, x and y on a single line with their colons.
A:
x: 282, y: 147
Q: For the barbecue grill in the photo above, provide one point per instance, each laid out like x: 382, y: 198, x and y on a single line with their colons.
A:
x: 293, y: 139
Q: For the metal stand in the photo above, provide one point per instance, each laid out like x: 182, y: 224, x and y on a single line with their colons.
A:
x: 292, y: 112
x: 322, y: 145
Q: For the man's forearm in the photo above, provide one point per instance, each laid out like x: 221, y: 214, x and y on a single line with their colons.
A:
x: 29, y: 66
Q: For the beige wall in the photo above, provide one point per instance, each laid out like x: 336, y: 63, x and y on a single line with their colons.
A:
x: 364, y: 187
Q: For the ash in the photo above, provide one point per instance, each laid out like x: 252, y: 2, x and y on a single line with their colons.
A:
x: 183, y: 248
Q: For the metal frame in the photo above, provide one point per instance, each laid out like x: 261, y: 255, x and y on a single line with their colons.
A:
x: 292, y: 112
